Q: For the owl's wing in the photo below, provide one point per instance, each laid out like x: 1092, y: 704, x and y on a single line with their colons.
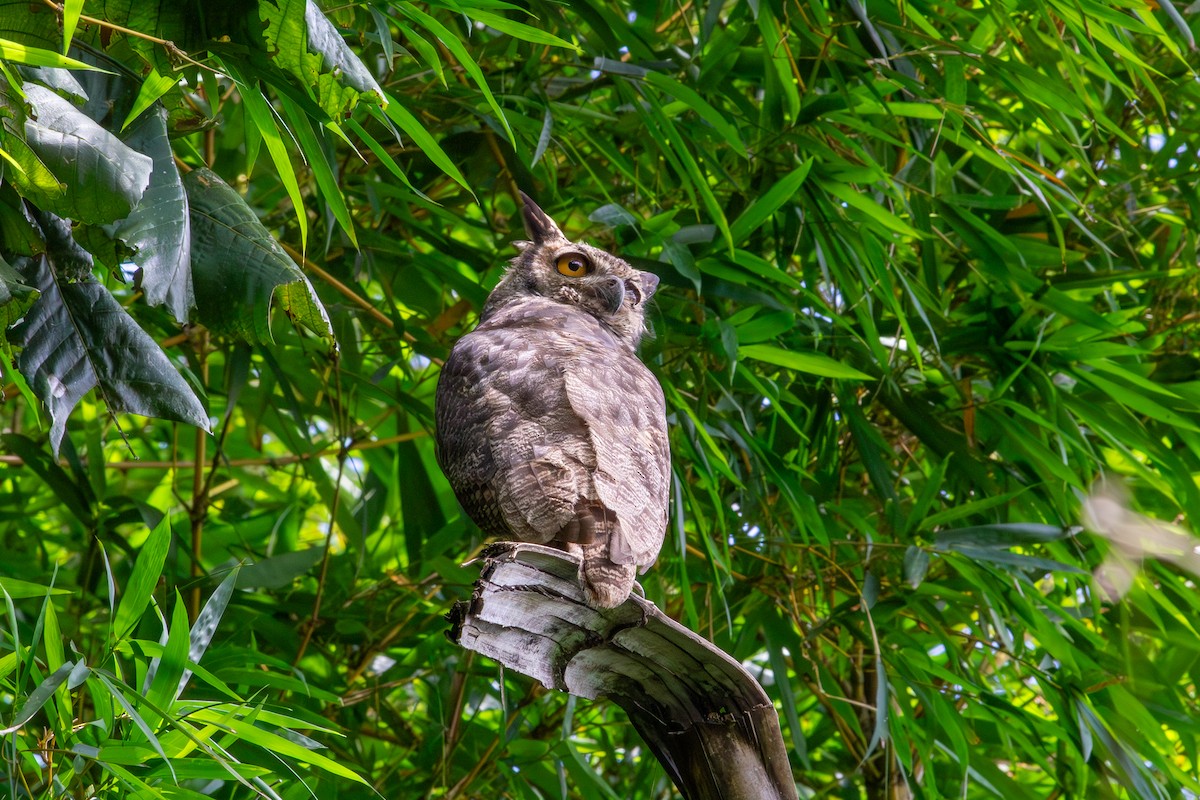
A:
x: 622, y: 406
x: 500, y: 399
x: 462, y: 410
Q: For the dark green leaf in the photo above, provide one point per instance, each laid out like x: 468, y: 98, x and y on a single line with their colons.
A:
x: 238, y: 267
x: 107, y: 178
x: 77, y: 337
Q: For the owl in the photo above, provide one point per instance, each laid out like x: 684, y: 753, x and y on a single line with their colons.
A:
x: 549, y: 428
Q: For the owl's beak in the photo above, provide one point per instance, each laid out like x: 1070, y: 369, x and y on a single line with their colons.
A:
x: 632, y: 289
x: 612, y: 292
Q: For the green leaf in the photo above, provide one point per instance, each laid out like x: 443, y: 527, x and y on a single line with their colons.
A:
x: 35, y: 56
x: 237, y: 267
x: 76, y: 337
x: 38, y: 698
x: 165, y: 677
x: 692, y: 99
x: 147, y: 571
x: 518, y: 30
x: 304, y: 42
x: 916, y: 565
x: 106, y: 177
x: 323, y: 170
x: 159, y: 229
x: 154, y: 86
x: 248, y: 732
x: 398, y: 114
x: 875, y: 212
x: 259, y: 112
x: 18, y: 589
x: 769, y: 202
x: 15, y: 296
x: 812, y: 363
x: 1001, y: 535
x: 455, y: 46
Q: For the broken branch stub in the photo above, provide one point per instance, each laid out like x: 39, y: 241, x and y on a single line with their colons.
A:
x: 703, y: 715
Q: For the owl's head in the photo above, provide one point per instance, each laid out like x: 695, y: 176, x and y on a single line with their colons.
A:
x: 576, y: 274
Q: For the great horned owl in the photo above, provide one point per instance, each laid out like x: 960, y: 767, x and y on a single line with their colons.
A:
x: 548, y: 426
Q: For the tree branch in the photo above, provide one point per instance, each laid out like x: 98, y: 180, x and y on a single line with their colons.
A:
x: 703, y: 715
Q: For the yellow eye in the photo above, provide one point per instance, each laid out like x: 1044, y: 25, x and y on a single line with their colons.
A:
x: 573, y: 265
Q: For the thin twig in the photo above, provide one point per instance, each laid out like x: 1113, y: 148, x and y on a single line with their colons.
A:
x: 173, y: 50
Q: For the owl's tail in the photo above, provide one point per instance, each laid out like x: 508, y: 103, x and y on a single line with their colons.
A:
x: 605, y: 584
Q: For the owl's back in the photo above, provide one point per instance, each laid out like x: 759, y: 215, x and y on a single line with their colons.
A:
x: 552, y: 431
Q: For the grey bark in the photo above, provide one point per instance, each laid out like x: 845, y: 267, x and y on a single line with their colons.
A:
x: 702, y: 714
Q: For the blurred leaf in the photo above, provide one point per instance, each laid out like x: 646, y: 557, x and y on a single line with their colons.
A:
x: 19, y: 589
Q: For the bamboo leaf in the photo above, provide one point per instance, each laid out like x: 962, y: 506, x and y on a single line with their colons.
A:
x: 812, y: 363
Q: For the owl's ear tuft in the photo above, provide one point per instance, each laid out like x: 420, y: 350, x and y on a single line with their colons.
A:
x: 649, y: 284
x: 538, y: 225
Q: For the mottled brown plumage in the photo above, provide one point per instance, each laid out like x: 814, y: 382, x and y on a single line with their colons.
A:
x: 548, y: 426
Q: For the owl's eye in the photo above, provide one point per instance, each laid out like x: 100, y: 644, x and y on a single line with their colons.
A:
x: 573, y: 265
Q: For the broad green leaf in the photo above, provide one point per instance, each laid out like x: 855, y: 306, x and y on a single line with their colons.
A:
x: 106, y: 177
x: 238, y: 267
x: 812, y: 363
x: 15, y: 296
x: 159, y: 229
x: 27, y: 172
x: 305, y: 42
x: 76, y: 337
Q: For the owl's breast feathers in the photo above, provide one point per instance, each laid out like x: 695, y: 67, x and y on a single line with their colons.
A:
x: 551, y: 430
